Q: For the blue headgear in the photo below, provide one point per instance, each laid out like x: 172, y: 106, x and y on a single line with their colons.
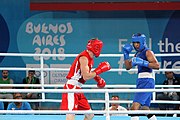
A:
x: 141, y: 38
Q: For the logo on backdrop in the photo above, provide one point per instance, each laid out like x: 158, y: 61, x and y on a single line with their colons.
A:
x: 48, y: 37
x: 45, y: 36
x: 4, y: 37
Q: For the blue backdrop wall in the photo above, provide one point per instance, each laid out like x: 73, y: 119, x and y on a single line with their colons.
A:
x: 67, y: 32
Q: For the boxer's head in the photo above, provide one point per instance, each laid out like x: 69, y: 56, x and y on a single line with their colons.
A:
x: 139, y: 38
x: 95, y: 46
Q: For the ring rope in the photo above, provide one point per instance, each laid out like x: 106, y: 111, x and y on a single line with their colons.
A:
x: 87, y: 90
x: 90, y: 101
x: 84, y: 86
x: 74, y: 55
x: 89, y: 112
x: 67, y: 69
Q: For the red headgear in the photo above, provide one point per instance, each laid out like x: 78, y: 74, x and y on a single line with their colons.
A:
x: 95, y: 46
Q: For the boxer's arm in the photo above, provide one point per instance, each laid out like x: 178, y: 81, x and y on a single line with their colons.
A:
x: 128, y: 64
x: 153, y: 63
x: 85, y: 69
x: 127, y: 48
x: 100, y: 81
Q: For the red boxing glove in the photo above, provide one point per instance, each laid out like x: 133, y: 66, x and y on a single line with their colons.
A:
x: 103, y: 67
x: 100, y: 81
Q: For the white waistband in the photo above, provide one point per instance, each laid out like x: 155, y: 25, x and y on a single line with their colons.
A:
x: 74, y: 82
x: 145, y: 75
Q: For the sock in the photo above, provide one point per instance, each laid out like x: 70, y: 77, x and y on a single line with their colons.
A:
x: 153, y: 118
x: 149, y: 116
x: 135, y: 118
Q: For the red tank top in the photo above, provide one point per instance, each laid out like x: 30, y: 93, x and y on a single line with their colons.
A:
x: 75, y: 72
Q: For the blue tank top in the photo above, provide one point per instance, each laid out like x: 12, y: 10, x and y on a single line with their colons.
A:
x: 142, y: 55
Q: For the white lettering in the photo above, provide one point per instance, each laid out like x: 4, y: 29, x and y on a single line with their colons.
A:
x: 48, y: 51
x: 121, y: 41
x: 120, y: 62
x: 150, y: 43
x: 61, y: 51
x: 53, y: 28
x: 37, y: 28
x: 62, y: 28
x: 47, y: 28
x: 37, y: 40
x: 44, y: 28
x: 169, y: 44
x: 166, y: 64
x: 55, y: 40
x: 37, y: 51
x: 177, y: 47
x: 176, y: 65
x: 160, y: 46
x: 29, y: 27
x: 70, y: 29
x: 49, y: 40
x: 62, y: 40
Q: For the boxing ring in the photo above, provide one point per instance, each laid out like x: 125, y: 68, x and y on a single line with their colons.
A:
x: 99, y: 114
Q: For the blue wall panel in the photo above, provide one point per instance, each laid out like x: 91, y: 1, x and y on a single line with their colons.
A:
x: 62, y: 32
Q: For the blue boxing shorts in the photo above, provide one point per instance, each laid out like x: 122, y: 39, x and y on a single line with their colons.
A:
x: 144, y: 98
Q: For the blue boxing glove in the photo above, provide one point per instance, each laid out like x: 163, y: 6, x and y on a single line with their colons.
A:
x: 139, y: 61
x: 127, y: 48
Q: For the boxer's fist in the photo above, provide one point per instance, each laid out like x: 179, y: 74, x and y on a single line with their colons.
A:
x: 139, y: 61
x: 103, y: 67
x: 100, y: 81
x: 127, y: 48
x: 101, y: 84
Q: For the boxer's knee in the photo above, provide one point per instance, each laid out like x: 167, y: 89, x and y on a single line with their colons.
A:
x: 89, y: 116
x: 70, y: 116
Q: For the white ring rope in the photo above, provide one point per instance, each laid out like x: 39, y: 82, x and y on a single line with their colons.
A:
x: 90, y: 101
x: 105, y: 91
x: 74, y: 55
x: 87, y: 112
x: 87, y: 90
x: 84, y: 86
x: 67, y: 69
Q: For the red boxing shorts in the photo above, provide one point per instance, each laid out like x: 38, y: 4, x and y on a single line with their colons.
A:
x: 74, y: 101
